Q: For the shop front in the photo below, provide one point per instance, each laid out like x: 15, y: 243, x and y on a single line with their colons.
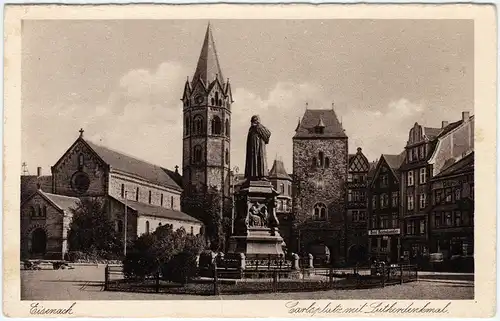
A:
x: 385, y: 244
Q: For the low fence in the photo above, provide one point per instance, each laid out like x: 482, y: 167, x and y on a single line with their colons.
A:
x: 257, y: 281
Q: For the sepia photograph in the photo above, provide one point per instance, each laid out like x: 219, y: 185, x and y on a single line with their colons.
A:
x: 229, y: 158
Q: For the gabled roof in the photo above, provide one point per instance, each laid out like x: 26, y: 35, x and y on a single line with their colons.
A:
x: 431, y: 132
x: 450, y: 127
x: 208, y: 67
x: 117, y: 160
x: 464, y: 165
x: 373, y: 167
x: 60, y: 202
x: 358, y: 162
x: 158, y: 211
x: 312, y: 117
x: 31, y: 183
x: 395, y: 161
x: 278, y: 171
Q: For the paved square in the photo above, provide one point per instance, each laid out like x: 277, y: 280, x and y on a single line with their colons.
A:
x: 86, y: 283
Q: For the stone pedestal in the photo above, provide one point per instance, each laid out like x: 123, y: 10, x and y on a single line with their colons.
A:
x: 256, y: 225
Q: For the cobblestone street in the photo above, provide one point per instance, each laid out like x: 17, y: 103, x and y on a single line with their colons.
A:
x: 86, y: 283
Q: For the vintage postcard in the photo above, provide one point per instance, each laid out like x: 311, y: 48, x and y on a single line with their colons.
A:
x: 250, y: 161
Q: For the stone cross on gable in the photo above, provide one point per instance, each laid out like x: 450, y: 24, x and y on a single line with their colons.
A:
x: 81, y: 132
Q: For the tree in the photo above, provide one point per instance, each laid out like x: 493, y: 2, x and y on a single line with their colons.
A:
x: 92, y: 231
x: 171, y: 252
x: 207, y: 208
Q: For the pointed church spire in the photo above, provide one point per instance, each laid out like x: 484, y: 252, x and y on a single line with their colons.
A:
x: 208, y: 67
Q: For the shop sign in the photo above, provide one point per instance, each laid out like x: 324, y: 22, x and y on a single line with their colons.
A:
x: 389, y: 231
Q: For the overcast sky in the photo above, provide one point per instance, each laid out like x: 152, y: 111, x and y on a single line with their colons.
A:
x: 121, y: 81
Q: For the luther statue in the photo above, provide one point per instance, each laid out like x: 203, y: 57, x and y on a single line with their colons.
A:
x: 256, y: 161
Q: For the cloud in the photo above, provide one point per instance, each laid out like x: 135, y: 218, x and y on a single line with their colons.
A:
x: 141, y: 117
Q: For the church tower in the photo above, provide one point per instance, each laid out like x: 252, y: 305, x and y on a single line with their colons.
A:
x: 207, y: 103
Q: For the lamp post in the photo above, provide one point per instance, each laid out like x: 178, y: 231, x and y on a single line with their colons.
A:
x: 125, y: 229
x: 233, y: 180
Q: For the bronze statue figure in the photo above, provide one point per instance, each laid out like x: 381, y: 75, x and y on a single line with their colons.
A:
x: 256, y: 160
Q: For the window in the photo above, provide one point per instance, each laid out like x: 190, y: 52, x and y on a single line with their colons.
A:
x: 423, y: 175
x: 314, y: 162
x: 123, y: 191
x: 410, y: 202
x: 198, y: 125
x: 410, y: 178
x: 438, y: 196
x: 422, y: 152
x: 319, y: 212
x: 119, y: 226
x: 198, y: 155
x: 448, y: 219
x: 44, y: 213
x: 423, y: 199
x: 437, y: 220
x: 410, y: 156
x: 349, y: 178
x: 171, y: 202
x: 395, y: 199
x: 289, y: 189
x: 394, y: 220
x: 422, y: 227
x: 282, y: 188
x: 362, y: 196
x: 349, y: 195
x: 32, y: 211
x: 192, y: 230
x: 362, y: 215
x: 227, y: 127
x: 80, y: 160
x: 327, y: 162
x: 384, y: 181
x: 410, y: 228
x: 161, y: 200
x: 384, y: 200
x: 384, y: 222
x: 355, y: 217
x: 186, y: 126
x: 458, y: 218
x: 374, y: 222
x: 227, y: 156
x: 147, y: 227
x: 149, y: 197
x: 458, y: 194
x: 374, y: 201
x: 137, y: 194
x: 216, y: 125
x: 321, y: 159
x: 447, y: 193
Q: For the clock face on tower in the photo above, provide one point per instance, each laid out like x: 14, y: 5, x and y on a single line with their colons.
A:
x: 199, y: 99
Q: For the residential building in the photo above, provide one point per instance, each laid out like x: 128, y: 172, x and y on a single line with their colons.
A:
x: 282, y: 182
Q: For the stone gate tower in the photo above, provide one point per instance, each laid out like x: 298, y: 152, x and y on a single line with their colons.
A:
x: 320, y: 171
x: 207, y: 103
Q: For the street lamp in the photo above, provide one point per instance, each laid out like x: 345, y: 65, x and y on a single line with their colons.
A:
x: 233, y: 180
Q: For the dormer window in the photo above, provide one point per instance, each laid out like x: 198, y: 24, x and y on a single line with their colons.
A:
x: 320, y: 127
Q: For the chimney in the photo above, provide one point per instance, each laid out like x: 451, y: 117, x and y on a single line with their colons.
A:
x: 444, y: 123
x: 38, y: 171
x: 465, y: 115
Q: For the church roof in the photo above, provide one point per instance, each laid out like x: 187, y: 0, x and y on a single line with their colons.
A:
x: 312, y: 117
x: 208, y: 67
x: 152, y: 173
x: 158, y: 211
x: 278, y: 171
x: 60, y: 202
x: 395, y: 161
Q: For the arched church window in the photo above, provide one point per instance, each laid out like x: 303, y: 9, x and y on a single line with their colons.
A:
x: 227, y: 156
x: 198, y: 125
x: 227, y: 127
x: 197, y: 154
x: 80, y: 160
x: 212, y: 101
x: 217, y: 98
x: 33, y: 211
x: 39, y: 210
x: 44, y: 213
x: 220, y: 102
x: 327, y: 162
x: 319, y: 212
x: 187, y: 124
x: 321, y: 159
x: 216, y: 125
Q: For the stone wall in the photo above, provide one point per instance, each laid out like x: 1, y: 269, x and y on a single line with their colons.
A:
x: 170, y: 196
x: 63, y: 172
x: 154, y: 223
x: 51, y: 224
